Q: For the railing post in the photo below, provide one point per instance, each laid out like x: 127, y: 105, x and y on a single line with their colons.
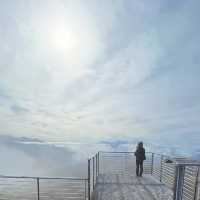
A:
x: 85, y: 189
x: 98, y: 163
x: 38, y: 188
x: 152, y: 161
x: 88, y: 179
x: 161, y: 167
x: 93, y: 171
x: 179, y: 181
x: 196, y: 185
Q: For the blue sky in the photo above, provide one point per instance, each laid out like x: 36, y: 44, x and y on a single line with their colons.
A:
x: 86, y: 72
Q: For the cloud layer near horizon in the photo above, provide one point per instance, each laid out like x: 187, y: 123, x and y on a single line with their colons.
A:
x: 33, y: 157
x: 99, y: 70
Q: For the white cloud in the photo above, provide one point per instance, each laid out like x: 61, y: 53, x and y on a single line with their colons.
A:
x: 99, y: 69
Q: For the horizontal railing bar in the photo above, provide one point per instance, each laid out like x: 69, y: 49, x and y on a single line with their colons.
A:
x: 68, y: 188
x: 188, y: 164
x: 156, y: 172
x: 78, y: 197
x: 189, y: 185
x: 191, y: 173
x: 123, y: 152
x: 171, y: 179
x: 172, y: 169
x: 169, y: 169
x: 69, y: 193
x: 188, y: 190
x: 167, y: 173
x: 46, y: 178
x: 190, y: 176
x: 116, y: 152
x: 149, y: 152
x: 187, y: 194
x: 170, y: 185
x: 169, y: 164
x: 168, y: 180
x: 188, y: 180
x: 69, y: 197
x: 191, y: 168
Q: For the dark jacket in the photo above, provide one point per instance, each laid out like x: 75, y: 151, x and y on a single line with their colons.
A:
x: 140, y: 154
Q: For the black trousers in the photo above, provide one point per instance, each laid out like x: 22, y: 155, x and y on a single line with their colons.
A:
x: 139, y: 167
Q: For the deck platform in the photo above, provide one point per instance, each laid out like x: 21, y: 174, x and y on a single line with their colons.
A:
x: 130, y: 187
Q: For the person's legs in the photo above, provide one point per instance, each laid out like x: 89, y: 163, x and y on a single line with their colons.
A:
x: 141, y: 167
x: 137, y: 167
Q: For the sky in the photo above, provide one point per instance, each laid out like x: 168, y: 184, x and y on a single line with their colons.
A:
x: 79, y: 72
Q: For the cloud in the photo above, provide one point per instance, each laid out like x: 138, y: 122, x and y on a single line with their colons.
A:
x: 35, y: 157
x: 17, y: 109
x: 99, y: 70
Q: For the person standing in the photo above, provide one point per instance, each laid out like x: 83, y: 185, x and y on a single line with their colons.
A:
x: 140, y: 157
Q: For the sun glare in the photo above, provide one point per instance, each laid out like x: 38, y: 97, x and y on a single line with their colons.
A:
x: 70, y: 43
x: 63, y: 39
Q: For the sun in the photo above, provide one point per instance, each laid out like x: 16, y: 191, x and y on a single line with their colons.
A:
x: 64, y: 39
x: 69, y: 43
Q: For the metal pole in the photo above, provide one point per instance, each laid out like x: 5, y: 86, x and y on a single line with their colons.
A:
x: 98, y: 163
x: 152, y: 159
x: 175, y: 182
x: 179, y: 181
x: 38, y: 188
x: 88, y: 179
x: 93, y: 171
x: 196, y: 185
x: 85, y: 189
x: 161, y: 167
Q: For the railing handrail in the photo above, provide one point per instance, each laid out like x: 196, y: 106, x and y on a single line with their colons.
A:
x: 132, y: 152
x: 116, y: 151
x: 188, y: 163
x: 185, y: 163
x: 47, y: 178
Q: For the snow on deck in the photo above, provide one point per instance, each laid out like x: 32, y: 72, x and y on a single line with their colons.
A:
x: 129, y: 187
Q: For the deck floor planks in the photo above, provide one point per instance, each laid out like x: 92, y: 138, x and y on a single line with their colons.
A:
x: 126, y: 187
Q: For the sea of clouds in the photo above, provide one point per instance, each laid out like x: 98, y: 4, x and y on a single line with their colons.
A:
x: 33, y: 157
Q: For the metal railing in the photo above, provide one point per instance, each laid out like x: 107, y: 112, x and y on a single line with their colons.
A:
x: 121, y: 163
x: 41, y: 188
x: 197, y: 189
x: 185, y: 184
x: 93, y: 173
x: 113, y: 163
